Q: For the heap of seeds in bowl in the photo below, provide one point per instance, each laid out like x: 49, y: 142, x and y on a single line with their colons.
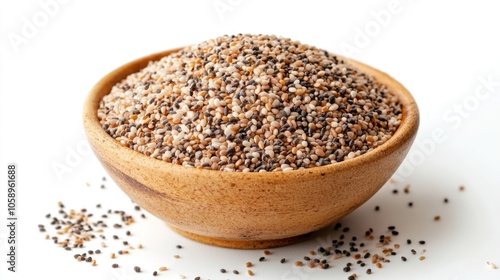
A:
x: 250, y: 103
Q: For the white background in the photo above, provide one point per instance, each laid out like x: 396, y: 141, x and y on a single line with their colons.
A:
x: 442, y: 52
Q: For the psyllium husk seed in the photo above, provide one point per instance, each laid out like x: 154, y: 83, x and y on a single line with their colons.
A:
x: 137, y: 269
x: 250, y: 103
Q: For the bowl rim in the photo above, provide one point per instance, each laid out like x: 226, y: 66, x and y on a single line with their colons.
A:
x: 94, y: 131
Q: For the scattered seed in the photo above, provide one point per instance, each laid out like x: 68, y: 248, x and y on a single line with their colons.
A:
x: 377, y: 208
x: 250, y: 273
x: 155, y: 273
x: 422, y: 242
x: 177, y: 257
x: 249, y: 264
x: 261, y: 259
x: 491, y: 265
x: 236, y: 271
x: 162, y: 268
x: 178, y: 246
x: 461, y: 188
x: 299, y: 263
x: 137, y: 269
x: 407, y: 189
x: 421, y: 258
x: 403, y: 258
x: 115, y: 265
x: 445, y: 200
x: 369, y: 271
x: 222, y: 270
x: 437, y: 218
x: 283, y: 260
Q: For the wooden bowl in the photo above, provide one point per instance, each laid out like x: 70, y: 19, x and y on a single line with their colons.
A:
x: 248, y: 210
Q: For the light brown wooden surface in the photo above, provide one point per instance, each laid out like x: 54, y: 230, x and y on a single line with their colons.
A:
x: 248, y: 210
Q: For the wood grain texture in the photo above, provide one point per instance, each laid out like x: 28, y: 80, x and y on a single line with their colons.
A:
x: 248, y: 210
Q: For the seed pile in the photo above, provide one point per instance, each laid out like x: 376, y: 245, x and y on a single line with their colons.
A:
x: 250, y: 103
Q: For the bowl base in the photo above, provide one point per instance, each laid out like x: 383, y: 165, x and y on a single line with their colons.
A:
x: 243, y: 244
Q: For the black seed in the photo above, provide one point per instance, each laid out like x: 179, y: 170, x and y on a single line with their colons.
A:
x: 346, y: 229
x: 155, y: 273
x: 115, y: 265
x: 283, y: 260
x: 377, y: 208
x: 347, y: 269
x: 408, y: 241
x: 261, y: 259
x: 178, y: 247
x: 446, y: 200
x: 369, y: 271
x: 222, y: 270
x: 410, y: 204
x: 137, y: 269
x: 403, y: 258
x: 422, y: 242
x: 236, y: 271
x: 394, y: 232
x: 413, y: 251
